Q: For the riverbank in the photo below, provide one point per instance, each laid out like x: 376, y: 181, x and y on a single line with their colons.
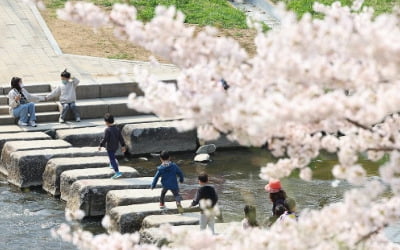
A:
x: 81, y: 40
x: 300, y: 7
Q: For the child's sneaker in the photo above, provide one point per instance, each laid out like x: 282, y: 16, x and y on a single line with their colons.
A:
x: 32, y: 124
x: 180, y: 208
x: 21, y: 123
x: 116, y: 175
x: 162, y: 206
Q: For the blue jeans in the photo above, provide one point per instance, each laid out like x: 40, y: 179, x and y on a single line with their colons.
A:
x: 69, y: 106
x: 113, y: 161
x: 25, y: 112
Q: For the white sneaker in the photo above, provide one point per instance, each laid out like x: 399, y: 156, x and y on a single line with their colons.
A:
x: 32, y: 124
x: 61, y: 120
x: 78, y: 119
x: 21, y: 123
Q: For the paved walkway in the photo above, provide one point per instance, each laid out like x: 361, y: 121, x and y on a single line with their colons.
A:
x: 259, y: 10
x: 28, y: 50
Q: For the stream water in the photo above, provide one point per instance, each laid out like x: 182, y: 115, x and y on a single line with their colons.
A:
x: 26, y: 217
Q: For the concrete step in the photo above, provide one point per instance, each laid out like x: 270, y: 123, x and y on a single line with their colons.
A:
x: 55, y: 126
x: 116, y: 198
x: 67, y: 178
x: 39, y: 107
x: 47, y: 116
x: 96, y: 108
x: 128, y: 219
x: 105, y: 90
x: 40, y: 118
x: 7, y: 120
x: 55, y: 167
x: 122, y: 89
x: 90, y: 195
x: 3, y: 100
x: 89, y: 109
x: 27, y: 167
x: 33, y: 89
x: 172, y: 219
x: 13, y: 146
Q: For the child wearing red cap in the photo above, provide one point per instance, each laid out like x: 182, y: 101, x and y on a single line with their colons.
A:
x: 277, y: 195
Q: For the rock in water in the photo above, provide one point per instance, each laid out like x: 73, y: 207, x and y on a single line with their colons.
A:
x: 206, y: 149
x: 202, y: 158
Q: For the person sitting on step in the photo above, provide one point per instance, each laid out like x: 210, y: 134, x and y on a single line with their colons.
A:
x: 67, y: 93
x: 22, y: 103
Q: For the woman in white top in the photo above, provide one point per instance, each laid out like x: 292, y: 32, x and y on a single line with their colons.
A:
x: 22, y: 104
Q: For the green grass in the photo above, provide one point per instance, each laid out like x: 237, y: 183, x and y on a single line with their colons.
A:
x: 121, y: 56
x: 217, y: 13
x: 304, y: 6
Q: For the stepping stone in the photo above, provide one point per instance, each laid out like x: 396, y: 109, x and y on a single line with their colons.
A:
x: 23, y: 136
x: 116, y: 198
x: 157, y: 136
x: 82, y: 137
x: 90, y: 195
x: 202, y: 158
x: 206, y: 149
x: 13, y: 146
x: 173, y: 219
x: 27, y: 167
x: 128, y: 219
x: 5, y: 129
x: 223, y: 142
x: 69, y: 177
x: 55, y: 167
x: 156, y: 236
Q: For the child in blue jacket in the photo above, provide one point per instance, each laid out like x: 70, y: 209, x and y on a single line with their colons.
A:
x: 168, y: 171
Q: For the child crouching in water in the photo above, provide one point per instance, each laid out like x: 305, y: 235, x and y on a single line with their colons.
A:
x: 112, y: 139
x: 206, y: 193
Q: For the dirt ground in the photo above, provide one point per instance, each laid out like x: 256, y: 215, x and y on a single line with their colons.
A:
x: 81, y: 40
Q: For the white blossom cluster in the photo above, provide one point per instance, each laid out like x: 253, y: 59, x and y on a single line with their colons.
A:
x: 310, y: 81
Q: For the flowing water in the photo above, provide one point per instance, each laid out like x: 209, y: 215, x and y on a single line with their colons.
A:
x: 26, y: 217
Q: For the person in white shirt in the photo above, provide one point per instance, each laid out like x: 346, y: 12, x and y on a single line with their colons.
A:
x: 22, y: 103
x: 67, y: 94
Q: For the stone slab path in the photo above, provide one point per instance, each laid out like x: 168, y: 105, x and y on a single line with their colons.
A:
x: 116, y: 198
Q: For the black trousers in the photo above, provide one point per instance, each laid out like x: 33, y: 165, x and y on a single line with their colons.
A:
x: 175, y: 192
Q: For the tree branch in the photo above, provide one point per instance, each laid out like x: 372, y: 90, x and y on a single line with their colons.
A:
x: 384, y: 149
x: 357, y: 124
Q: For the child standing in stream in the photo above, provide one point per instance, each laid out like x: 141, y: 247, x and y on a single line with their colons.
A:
x: 111, y: 141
